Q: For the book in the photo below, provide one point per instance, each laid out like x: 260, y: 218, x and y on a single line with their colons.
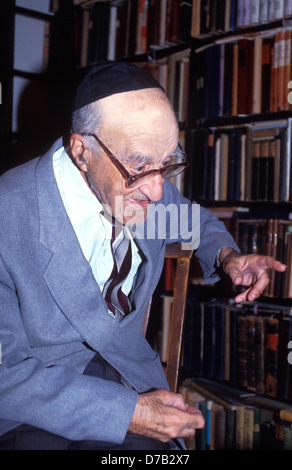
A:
x: 286, y: 414
x: 272, y: 342
x: 218, y: 427
x: 287, y: 68
x: 281, y: 70
x: 194, y: 337
x: 255, y: 170
x: 235, y: 85
x: 266, y: 74
x: 246, y: 20
x: 242, y: 351
x: 201, y: 433
x: 251, y: 354
x: 260, y: 346
x: 239, y: 13
x: 142, y: 27
x: 245, y: 74
x: 278, y: 10
x: 240, y: 418
x: 264, y: 16
x: 196, y: 14
x: 287, y: 8
x: 257, y: 76
x: 249, y: 422
x: 271, y: 10
x: 254, y: 12
x: 227, y: 82
x: 274, y: 75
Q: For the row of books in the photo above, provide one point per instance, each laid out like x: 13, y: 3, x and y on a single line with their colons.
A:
x: 235, y: 421
x: 242, y: 75
x: 117, y: 29
x: 254, y: 233
x: 244, y: 345
x: 212, y: 16
x: 259, y: 233
x: 250, y: 162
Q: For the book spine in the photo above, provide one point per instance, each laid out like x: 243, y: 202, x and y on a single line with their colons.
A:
x: 281, y: 71
x: 242, y: 351
x: 248, y: 428
x: 287, y: 68
x: 263, y: 10
x: 279, y: 9
x: 257, y: 76
x: 251, y: 354
x: 234, y: 103
x: 274, y: 77
x: 260, y: 346
x: 255, y: 11
x: 272, y: 342
x: 288, y: 8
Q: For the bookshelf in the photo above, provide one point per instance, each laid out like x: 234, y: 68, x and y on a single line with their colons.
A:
x: 189, y: 46
x: 239, y: 143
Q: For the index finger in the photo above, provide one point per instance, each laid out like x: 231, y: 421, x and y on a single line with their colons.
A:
x: 268, y: 262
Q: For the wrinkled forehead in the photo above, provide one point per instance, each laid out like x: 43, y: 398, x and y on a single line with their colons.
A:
x: 134, y: 104
x: 139, y: 118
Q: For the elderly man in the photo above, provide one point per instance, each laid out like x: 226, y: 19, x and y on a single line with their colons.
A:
x: 76, y: 371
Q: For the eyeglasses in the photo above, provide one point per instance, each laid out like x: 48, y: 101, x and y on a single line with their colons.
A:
x: 178, y: 164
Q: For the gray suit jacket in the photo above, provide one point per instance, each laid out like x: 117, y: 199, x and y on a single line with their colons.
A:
x: 53, y: 317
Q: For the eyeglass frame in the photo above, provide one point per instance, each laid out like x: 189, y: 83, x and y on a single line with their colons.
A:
x: 131, y: 179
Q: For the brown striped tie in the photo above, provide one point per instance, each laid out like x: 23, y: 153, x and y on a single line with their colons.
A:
x: 118, y: 303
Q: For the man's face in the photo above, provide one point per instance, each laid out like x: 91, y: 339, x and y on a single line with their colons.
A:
x: 139, y: 128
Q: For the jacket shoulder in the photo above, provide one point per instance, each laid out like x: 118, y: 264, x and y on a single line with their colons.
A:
x: 18, y: 178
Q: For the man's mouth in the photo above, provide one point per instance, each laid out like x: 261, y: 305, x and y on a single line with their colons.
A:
x: 141, y: 202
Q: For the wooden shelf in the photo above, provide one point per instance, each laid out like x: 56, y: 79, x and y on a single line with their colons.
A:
x: 237, y: 120
x: 216, y: 36
x: 34, y: 14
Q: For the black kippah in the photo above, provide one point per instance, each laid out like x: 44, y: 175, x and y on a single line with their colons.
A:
x: 109, y: 78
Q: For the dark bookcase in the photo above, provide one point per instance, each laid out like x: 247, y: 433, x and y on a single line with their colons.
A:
x: 239, y: 143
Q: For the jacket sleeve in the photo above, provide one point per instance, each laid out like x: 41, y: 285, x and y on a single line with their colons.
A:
x: 55, y: 398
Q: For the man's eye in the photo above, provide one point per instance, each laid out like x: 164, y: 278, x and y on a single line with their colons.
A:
x: 140, y: 169
x: 166, y: 162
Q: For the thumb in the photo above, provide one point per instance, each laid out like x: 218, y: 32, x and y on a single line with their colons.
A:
x: 237, y: 279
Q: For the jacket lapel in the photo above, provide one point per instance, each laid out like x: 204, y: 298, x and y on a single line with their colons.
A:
x: 68, y: 275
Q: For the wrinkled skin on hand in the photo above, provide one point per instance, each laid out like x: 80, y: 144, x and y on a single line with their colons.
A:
x: 252, y: 271
x: 163, y: 415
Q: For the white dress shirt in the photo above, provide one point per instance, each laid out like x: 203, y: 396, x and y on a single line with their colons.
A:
x: 92, y: 229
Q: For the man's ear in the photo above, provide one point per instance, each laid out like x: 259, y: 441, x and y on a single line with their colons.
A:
x: 80, y: 152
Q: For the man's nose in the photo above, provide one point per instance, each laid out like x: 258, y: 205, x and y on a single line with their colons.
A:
x: 152, y: 188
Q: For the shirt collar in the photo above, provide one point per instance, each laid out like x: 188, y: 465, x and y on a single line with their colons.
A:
x: 81, y: 202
